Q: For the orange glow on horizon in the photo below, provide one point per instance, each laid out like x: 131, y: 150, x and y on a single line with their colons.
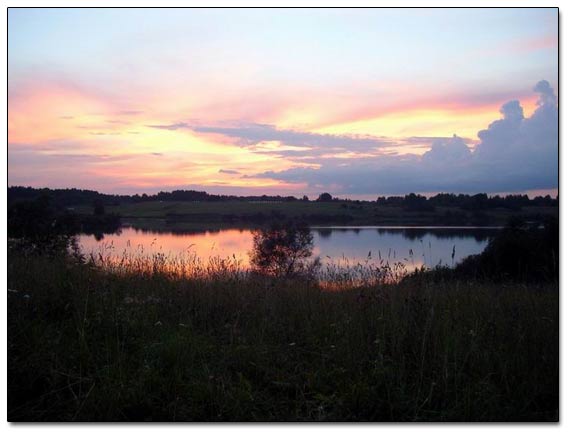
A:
x: 128, y: 149
x: 432, y: 122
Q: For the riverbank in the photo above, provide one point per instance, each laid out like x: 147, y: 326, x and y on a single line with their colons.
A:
x: 84, y: 344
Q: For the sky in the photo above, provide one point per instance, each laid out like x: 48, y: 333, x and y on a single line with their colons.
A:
x: 354, y: 102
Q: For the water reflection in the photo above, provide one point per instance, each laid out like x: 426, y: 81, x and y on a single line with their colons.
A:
x: 215, y: 243
x: 479, y: 234
x: 412, y: 247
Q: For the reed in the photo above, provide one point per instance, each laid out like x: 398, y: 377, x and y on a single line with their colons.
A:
x: 173, y: 338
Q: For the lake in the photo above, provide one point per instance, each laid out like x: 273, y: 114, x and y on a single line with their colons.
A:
x: 413, y: 247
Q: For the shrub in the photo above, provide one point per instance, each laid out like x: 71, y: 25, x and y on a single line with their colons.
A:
x: 518, y: 252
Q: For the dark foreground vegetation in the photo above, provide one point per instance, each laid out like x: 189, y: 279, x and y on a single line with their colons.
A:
x: 135, y: 341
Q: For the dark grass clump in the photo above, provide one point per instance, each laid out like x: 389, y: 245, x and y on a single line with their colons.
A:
x: 86, y: 344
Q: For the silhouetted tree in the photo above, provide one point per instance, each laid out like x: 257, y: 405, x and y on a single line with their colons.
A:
x: 283, y: 250
x: 39, y: 227
x: 414, y: 202
x: 324, y: 197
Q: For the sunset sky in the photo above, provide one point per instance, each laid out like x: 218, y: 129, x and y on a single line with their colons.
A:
x: 356, y: 102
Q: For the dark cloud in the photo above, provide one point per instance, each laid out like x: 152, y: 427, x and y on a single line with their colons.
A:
x: 311, y: 148
x: 428, y: 140
x: 252, y: 134
x: 228, y: 171
x: 173, y: 126
x: 514, y: 154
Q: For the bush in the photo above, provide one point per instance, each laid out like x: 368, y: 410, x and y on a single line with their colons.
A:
x: 518, y: 252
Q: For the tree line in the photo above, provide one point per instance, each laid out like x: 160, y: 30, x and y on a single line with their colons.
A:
x: 480, y: 201
x: 412, y: 201
x: 38, y: 225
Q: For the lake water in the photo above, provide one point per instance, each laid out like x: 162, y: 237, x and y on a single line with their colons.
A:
x: 413, y: 247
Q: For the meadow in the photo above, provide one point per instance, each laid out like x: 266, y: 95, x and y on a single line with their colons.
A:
x: 143, y: 343
x: 196, y: 215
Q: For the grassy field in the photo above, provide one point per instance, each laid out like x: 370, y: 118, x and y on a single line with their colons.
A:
x: 84, y: 344
x: 191, y: 214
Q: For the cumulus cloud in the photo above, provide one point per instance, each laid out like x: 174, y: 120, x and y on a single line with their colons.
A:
x: 501, y: 134
x: 547, y: 94
x: 515, y: 153
x: 521, y: 148
x: 450, y: 151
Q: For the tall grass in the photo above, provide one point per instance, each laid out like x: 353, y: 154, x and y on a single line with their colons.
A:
x: 341, y: 273
x: 133, y: 340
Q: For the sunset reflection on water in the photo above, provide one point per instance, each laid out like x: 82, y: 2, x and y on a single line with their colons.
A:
x: 370, y: 248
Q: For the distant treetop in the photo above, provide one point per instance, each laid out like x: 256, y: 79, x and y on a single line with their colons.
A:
x: 324, y: 197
